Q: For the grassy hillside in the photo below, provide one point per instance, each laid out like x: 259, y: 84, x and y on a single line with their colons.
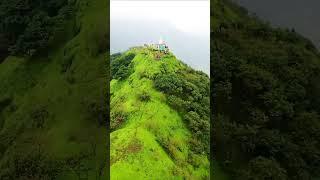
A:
x: 53, y: 108
x: 265, y: 90
x: 150, y: 136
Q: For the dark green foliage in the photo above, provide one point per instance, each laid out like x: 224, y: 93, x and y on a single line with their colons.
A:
x: 177, y: 102
x: 99, y: 41
x: 39, y: 116
x: 144, y: 96
x: 66, y: 63
x: 263, y: 168
x: 43, y: 108
x: 4, y: 102
x: 117, y: 118
x: 120, y: 66
x: 168, y: 83
x: 26, y: 27
x: 97, y: 109
x: 35, y: 166
x: 188, y: 92
x: 36, y: 35
x: 265, y: 105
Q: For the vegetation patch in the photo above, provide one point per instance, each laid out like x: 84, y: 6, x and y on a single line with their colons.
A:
x: 32, y: 29
x: 121, y: 67
x: 189, y: 95
x: 117, y: 119
x: 56, y: 80
x: 39, y: 117
x: 265, y: 94
x: 144, y: 96
x: 152, y: 121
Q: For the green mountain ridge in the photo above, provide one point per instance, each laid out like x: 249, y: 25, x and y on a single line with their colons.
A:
x: 50, y: 126
x: 150, y: 136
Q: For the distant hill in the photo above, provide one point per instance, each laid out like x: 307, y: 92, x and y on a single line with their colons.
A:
x: 265, y: 98
x: 159, y: 117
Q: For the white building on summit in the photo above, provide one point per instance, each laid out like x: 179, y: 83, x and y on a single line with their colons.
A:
x: 161, y: 46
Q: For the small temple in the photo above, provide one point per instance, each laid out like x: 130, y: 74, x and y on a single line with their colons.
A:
x: 161, y: 46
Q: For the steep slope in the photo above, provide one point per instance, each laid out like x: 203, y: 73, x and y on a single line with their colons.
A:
x: 265, y: 90
x: 151, y: 137
x: 52, y: 107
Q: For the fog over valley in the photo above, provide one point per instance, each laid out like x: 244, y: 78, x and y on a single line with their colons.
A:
x: 191, y: 49
x: 186, y: 34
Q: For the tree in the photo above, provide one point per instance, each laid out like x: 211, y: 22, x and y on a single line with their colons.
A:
x: 27, y: 26
x: 263, y: 168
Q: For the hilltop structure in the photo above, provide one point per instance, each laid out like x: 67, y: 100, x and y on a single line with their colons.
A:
x: 161, y: 46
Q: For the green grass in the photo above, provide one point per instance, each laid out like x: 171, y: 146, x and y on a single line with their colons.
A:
x: 69, y: 130
x: 153, y: 142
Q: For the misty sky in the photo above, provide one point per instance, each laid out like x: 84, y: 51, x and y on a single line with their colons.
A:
x: 183, y: 25
x: 302, y: 15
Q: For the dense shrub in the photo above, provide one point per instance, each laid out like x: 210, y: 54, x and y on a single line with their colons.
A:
x: 35, y: 166
x: 4, y: 102
x: 263, y: 168
x: 67, y: 62
x: 97, y: 110
x: 39, y: 116
x: 144, y: 96
x: 121, y: 67
x: 188, y: 92
x: 26, y: 27
x: 168, y: 83
x: 99, y: 38
x: 117, y: 118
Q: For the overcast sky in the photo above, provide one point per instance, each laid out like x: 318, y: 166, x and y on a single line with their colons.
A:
x: 183, y: 25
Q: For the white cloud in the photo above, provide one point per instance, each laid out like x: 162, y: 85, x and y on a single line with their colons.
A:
x: 187, y: 16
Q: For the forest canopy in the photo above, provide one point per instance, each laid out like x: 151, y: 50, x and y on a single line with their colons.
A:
x: 265, y: 90
x: 26, y: 27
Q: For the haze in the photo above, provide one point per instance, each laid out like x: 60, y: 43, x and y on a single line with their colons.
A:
x: 183, y: 25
